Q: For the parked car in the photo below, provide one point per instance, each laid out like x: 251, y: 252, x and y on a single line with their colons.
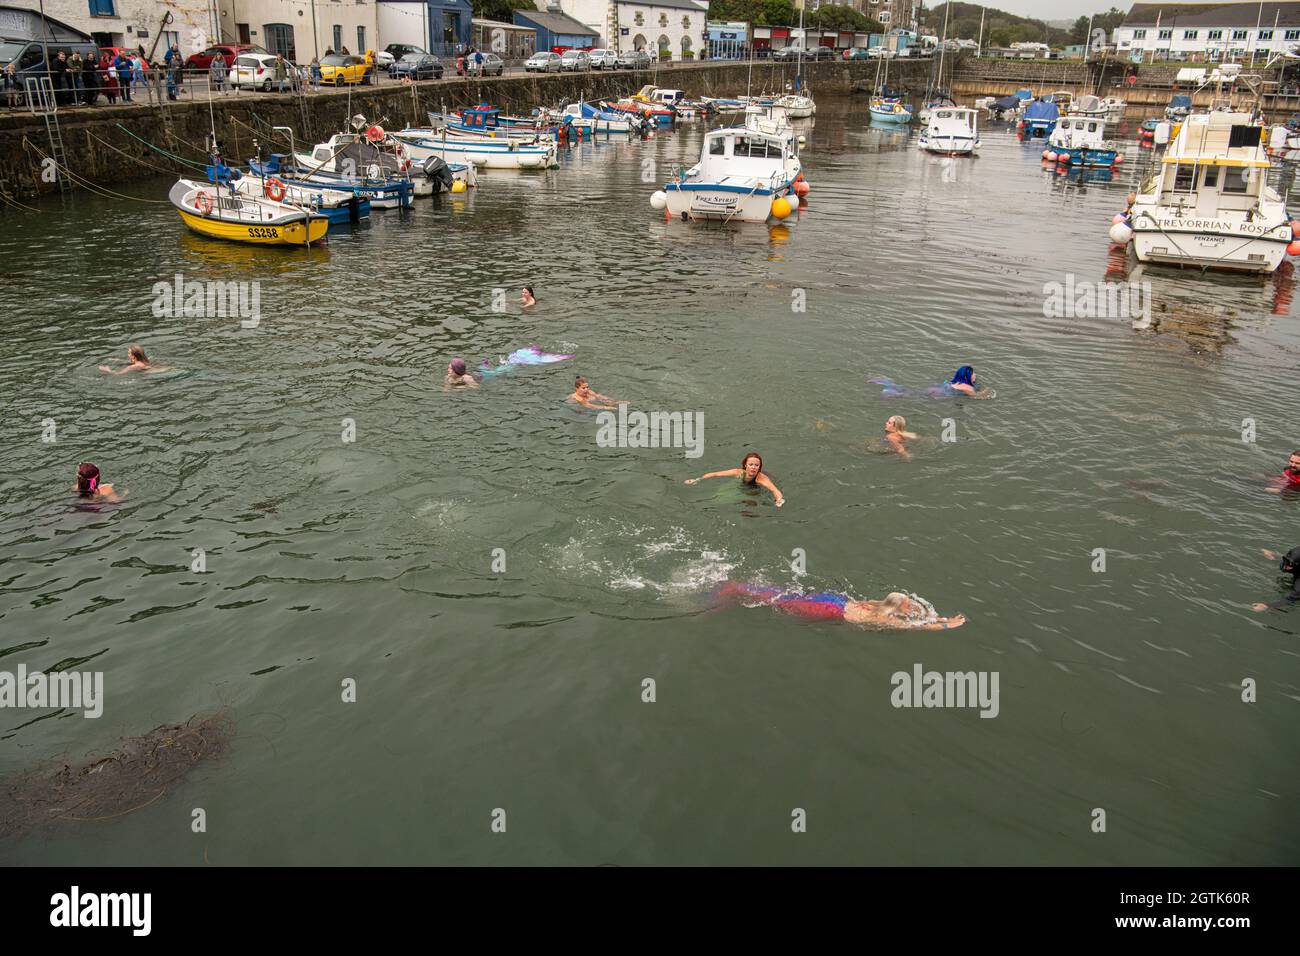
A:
x: 878, y: 52
x: 28, y: 58
x: 820, y: 53
x: 542, y: 63
x: 788, y: 53
x: 230, y: 51
x: 338, y: 69
x: 858, y: 53
x: 253, y: 69
x: 575, y: 61
x: 634, y: 60
x: 603, y: 59
x: 390, y: 54
x: 417, y: 66
x: 493, y: 65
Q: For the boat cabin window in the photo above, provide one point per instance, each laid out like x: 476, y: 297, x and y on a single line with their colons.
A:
x: 1236, y: 180
x: 1184, y: 178
x: 945, y: 114
x: 1244, y: 136
x: 1211, y: 176
x: 756, y: 148
x: 1092, y: 127
x: 717, y: 146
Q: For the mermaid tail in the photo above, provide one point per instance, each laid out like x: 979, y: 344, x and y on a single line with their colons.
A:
x: 891, y: 388
x: 531, y: 355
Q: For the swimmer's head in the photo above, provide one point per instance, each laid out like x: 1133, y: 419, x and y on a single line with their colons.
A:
x: 964, y: 376
x: 1295, y: 461
x: 895, y: 423
x: 751, y: 466
x: 87, y: 478
x: 458, y: 366
x: 529, y: 296
x: 580, y: 386
x: 136, y: 354
x: 1291, y: 561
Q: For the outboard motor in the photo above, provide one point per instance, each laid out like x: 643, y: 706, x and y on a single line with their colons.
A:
x: 437, y: 171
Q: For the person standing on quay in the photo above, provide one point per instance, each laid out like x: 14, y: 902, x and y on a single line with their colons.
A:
x: 11, y: 86
x: 217, y: 72
x: 90, y: 79
x: 122, y: 64
x: 76, y: 92
x: 281, y: 73
x: 109, y: 74
x: 316, y: 74
x: 58, y: 76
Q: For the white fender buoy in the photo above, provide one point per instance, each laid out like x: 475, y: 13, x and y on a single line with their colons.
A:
x: 1121, y: 233
x: 659, y: 199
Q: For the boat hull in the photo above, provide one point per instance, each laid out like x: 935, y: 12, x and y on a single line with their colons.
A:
x: 718, y: 201
x: 1085, y: 157
x: 502, y: 156
x: 1208, y: 250
x: 948, y: 145
x: 889, y: 116
x: 288, y: 234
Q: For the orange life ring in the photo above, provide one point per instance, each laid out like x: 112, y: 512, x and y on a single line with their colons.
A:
x: 375, y: 134
x: 204, y: 201
x: 274, y: 189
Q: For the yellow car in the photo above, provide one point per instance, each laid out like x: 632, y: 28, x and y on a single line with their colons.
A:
x: 340, y: 68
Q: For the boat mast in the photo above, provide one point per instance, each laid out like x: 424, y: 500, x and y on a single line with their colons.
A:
x: 803, y: 40
x: 943, y: 43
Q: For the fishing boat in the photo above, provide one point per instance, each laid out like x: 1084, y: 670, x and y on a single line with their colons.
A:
x: 503, y: 153
x: 370, y: 159
x: 889, y: 108
x: 485, y: 121
x: 1178, y: 108
x: 796, y: 105
x: 1080, y: 140
x: 951, y: 131
x: 337, y: 205
x: 745, y: 173
x: 1115, y: 106
x: 657, y: 115
x: 1088, y: 106
x: 1209, y: 205
x: 390, y: 193
x: 597, y: 120
x: 218, y: 210
x: 939, y: 99
x: 1063, y: 99
x: 936, y: 96
x: 1040, y: 119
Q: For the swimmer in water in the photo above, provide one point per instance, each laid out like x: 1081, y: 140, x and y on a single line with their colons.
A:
x: 963, y: 381
x: 896, y: 611
x: 89, y: 486
x: 584, y: 396
x: 1289, y: 480
x: 458, y: 375
x: 139, y: 363
x: 528, y: 298
x: 750, y: 472
x: 1290, y: 564
x: 895, y: 434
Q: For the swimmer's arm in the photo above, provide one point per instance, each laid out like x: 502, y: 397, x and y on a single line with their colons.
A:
x: 1271, y: 555
x: 116, y: 371
x: 107, y: 493
x: 729, y: 473
x: 961, y: 387
x: 942, y: 624
x: 766, y: 482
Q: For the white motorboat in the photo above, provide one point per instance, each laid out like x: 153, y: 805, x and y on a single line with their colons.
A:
x: 1080, y: 140
x: 797, y: 105
x: 1209, y: 204
x: 1089, y: 106
x: 588, y: 117
x: 951, y: 131
x: 423, y: 142
x: 745, y: 173
x: 1115, y: 107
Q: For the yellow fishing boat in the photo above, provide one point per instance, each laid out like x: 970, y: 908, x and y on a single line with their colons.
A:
x: 223, y: 213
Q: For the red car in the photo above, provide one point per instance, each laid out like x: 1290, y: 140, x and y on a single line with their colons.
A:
x: 201, y: 61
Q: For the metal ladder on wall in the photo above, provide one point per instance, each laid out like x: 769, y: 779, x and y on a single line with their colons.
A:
x: 43, y: 103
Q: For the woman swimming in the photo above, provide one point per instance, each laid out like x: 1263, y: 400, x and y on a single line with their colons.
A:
x: 963, y: 380
x: 896, y: 611
x: 963, y: 383
x: 750, y: 472
x: 139, y: 363
x: 89, y: 485
x: 583, y: 395
x: 528, y: 298
x: 895, y: 433
x: 458, y: 375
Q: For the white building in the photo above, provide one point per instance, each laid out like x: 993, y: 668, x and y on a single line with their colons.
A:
x: 133, y: 23
x: 1208, y: 31
x: 677, y: 26
x: 300, y: 29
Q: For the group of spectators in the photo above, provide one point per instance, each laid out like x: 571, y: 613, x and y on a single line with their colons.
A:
x: 78, y: 80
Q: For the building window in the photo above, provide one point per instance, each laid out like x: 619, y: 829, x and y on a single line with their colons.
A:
x: 1239, y: 34
x: 686, y: 23
x: 1291, y: 35
x: 1190, y: 34
x: 361, y: 41
x: 1166, y: 34
x: 1266, y: 34
x: 1139, y: 34
x: 102, y: 8
x: 279, y: 39
x: 663, y: 19
x: 639, y: 19
x: 1216, y: 35
x: 338, y: 38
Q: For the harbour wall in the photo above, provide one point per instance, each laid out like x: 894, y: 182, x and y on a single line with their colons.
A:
x: 107, y: 145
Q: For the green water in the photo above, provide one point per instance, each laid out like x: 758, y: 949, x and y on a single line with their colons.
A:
x: 522, y: 689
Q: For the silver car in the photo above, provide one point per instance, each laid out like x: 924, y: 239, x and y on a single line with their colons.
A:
x: 542, y: 63
x: 634, y: 60
x: 603, y: 59
x: 575, y: 60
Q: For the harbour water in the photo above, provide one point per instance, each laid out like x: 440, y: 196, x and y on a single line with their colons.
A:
x: 523, y: 689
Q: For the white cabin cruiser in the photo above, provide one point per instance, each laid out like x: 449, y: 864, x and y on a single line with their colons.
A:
x: 1209, y: 204
x: 479, y: 151
x: 951, y: 131
x: 745, y: 173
